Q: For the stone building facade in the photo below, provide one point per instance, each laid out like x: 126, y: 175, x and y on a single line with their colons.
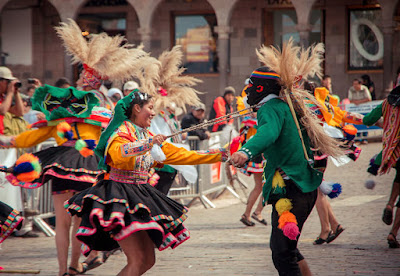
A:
x: 360, y: 35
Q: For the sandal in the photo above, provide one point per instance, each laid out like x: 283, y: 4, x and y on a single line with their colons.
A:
x: 333, y: 236
x: 66, y: 274
x: 387, y: 216
x: 319, y: 240
x: 393, y: 243
x: 246, y: 221
x: 107, y: 254
x: 76, y: 271
x: 95, y: 262
x: 262, y: 221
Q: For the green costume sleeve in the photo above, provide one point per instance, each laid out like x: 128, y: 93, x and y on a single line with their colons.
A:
x: 269, y: 128
x: 372, y: 117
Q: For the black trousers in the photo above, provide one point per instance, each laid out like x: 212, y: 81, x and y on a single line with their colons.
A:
x: 285, y: 254
x: 165, y: 181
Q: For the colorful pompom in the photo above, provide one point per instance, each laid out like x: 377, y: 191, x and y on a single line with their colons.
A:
x: 336, y: 190
x: 330, y: 189
x: 283, y: 205
x: 277, y: 180
x: 235, y: 144
x: 85, y: 147
x: 27, y: 168
x: 291, y: 230
x: 153, y: 180
x: 80, y: 144
x: 64, y: 130
x: 286, y: 217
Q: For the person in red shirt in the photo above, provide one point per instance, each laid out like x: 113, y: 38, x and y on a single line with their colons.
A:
x: 222, y: 106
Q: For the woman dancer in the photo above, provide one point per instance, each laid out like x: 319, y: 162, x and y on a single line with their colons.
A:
x: 10, y: 220
x: 69, y: 171
x: 123, y: 209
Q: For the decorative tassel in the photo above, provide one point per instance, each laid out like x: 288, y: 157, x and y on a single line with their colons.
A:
x: 291, y: 230
x: 330, y: 189
x: 283, y: 205
x: 235, y: 144
x: 64, y: 130
x: 349, y: 132
x: 336, y: 190
x: 27, y: 168
x: 287, y: 220
x: 85, y: 147
x: 277, y: 180
x: 153, y: 180
x: 286, y: 217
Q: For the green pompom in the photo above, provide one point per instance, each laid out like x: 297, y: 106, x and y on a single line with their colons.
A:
x: 80, y: 144
x: 60, y: 134
x: 36, y: 166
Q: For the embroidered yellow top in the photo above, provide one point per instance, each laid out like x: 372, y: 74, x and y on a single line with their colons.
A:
x: 128, y: 154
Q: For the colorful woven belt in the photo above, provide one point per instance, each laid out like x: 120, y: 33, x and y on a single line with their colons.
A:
x: 129, y: 177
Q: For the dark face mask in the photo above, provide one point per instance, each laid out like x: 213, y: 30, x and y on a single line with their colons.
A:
x: 258, y: 89
x: 394, y: 97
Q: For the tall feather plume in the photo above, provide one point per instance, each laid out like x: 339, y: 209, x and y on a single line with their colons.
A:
x: 290, y: 63
x: 108, y: 56
x: 73, y: 41
x: 170, y: 77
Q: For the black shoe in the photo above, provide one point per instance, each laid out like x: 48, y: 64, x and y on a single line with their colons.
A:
x: 28, y: 234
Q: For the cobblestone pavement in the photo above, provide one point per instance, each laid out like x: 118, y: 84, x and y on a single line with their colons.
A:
x: 221, y: 245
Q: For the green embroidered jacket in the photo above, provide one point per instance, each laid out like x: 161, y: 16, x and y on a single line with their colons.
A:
x: 278, y: 139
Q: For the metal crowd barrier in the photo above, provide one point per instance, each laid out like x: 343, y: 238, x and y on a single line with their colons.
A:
x: 42, y: 199
x: 211, y: 177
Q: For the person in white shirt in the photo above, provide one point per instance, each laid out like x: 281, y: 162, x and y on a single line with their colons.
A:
x: 359, y: 93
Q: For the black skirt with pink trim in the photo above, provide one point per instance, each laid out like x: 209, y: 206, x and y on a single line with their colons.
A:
x: 111, y: 211
x: 67, y: 167
x: 9, y: 221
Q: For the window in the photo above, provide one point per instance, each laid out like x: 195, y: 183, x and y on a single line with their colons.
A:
x: 365, y: 40
x: 195, y: 33
x: 280, y: 25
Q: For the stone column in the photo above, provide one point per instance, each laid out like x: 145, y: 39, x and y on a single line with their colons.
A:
x: 388, y: 29
x: 65, y: 14
x: 223, y: 32
x: 304, y: 33
x: 145, y: 33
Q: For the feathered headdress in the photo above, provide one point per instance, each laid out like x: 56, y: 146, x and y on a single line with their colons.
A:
x: 103, y: 57
x: 293, y: 64
x: 164, y: 81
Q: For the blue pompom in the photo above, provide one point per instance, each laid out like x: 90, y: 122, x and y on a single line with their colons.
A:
x: 336, y: 190
x: 69, y: 135
x: 91, y: 144
x: 23, y: 168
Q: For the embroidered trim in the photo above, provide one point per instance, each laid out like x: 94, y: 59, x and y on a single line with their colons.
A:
x: 136, y: 148
x: 129, y: 177
x: 11, y: 223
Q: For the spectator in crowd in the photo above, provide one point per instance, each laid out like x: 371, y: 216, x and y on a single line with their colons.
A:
x: 366, y: 80
x: 30, y: 90
x: 129, y: 86
x: 221, y: 107
x: 9, y: 91
x: 62, y: 83
x: 327, y: 83
x: 359, y: 93
x: 195, y: 117
x: 31, y: 116
x: 115, y: 95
